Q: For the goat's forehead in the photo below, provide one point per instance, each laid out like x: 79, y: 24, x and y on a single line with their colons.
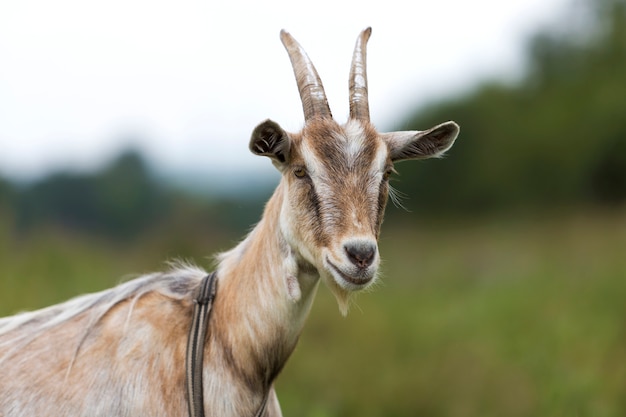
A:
x: 354, y: 147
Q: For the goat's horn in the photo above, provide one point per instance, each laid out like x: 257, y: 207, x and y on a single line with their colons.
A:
x: 312, y: 93
x: 359, y: 106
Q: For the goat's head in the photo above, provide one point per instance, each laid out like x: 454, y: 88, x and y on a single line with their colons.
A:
x: 335, y: 177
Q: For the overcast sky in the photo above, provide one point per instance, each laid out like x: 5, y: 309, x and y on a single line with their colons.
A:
x: 186, y: 81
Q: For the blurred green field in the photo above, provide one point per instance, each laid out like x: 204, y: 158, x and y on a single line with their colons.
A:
x: 504, y: 316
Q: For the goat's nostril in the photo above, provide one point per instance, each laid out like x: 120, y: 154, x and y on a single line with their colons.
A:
x: 361, y: 254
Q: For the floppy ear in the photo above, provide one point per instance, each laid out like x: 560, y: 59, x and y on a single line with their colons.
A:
x: 421, y: 144
x: 269, y: 139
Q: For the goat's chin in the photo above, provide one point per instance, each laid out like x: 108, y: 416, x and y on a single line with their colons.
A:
x: 343, y: 291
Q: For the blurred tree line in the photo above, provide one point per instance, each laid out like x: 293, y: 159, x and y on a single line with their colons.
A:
x: 556, y: 137
x: 122, y: 201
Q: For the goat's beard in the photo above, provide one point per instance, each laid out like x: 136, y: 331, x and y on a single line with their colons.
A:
x: 343, y: 296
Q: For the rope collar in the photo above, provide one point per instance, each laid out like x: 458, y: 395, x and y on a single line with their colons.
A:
x: 195, y: 347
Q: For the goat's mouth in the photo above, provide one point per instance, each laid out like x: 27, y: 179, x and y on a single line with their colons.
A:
x: 359, y: 280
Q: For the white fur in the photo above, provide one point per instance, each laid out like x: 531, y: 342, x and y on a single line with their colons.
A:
x: 354, y: 140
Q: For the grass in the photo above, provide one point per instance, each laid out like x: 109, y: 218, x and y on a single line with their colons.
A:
x: 493, y: 317
x: 500, y: 317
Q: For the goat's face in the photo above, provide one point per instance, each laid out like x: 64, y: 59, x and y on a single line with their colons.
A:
x: 335, y: 178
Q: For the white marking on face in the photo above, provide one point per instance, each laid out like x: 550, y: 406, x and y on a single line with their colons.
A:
x: 355, y: 140
x: 355, y: 220
x: 380, y: 160
x: 313, y: 166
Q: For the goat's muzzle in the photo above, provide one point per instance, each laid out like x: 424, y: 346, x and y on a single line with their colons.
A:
x: 353, y: 267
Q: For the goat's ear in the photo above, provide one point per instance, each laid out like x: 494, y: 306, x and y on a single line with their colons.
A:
x: 425, y: 144
x: 269, y: 139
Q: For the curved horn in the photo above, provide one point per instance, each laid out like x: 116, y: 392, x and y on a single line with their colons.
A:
x: 359, y: 106
x: 314, y: 102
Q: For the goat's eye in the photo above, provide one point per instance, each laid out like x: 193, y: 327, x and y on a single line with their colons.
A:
x: 299, y: 172
x: 387, y: 173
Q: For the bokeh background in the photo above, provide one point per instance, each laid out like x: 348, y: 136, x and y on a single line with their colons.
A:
x: 504, y: 277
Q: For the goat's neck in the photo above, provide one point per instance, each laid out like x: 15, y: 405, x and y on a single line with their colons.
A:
x: 264, y: 296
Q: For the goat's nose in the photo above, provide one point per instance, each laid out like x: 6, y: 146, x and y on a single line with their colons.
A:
x: 361, y: 254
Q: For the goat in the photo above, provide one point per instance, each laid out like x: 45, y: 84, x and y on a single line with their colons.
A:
x: 121, y: 352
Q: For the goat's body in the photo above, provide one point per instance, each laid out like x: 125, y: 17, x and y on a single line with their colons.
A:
x: 128, y: 362
x: 115, y: 353
x: 121, y: 352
